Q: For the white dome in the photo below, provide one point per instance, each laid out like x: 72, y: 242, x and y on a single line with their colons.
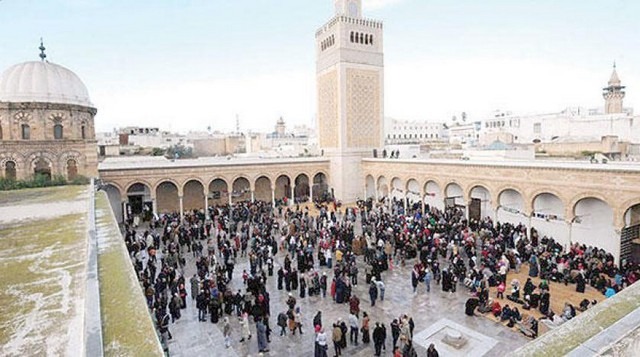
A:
x: 42, y: 82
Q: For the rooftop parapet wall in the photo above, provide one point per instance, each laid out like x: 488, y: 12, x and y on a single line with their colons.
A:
x: 376, y: 24
x: 128, y: 329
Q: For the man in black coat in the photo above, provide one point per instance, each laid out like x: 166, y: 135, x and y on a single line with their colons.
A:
x: 378, y: 338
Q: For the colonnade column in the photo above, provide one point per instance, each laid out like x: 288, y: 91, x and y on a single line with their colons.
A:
x: 273, y: 197
x: 230, y: 193
x: 125, y: 214
x: 293, y: 195
x: 206, y: 203
x: 154, y: 202
x: 310, y: 193
x: 422, y: 196
x: 377, y: 198
x: 405, y: 198
x: 253, y: 199
x: 181, y: 208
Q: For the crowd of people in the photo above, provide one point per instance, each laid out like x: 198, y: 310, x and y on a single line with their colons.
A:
x: 315, y: 254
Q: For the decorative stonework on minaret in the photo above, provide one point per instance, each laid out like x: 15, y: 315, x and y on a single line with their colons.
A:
x: 350, y: 85
x: 613, y: 94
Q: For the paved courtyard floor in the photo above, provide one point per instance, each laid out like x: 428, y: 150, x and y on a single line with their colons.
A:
x: 194, y: 338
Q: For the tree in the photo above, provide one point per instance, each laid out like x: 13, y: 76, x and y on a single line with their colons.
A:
x: 179, y: 151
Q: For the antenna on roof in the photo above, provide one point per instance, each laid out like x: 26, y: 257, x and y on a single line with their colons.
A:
x: 42, y: 48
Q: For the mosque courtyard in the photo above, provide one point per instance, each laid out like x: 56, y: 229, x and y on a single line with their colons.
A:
x: 428, y: 309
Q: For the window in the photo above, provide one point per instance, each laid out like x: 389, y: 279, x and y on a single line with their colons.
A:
x: 57, y: 131
x: 83, y: 132
x: 10, y: 170
x: 26, y: 132
x: 537, y: 128
x: 0, y: 131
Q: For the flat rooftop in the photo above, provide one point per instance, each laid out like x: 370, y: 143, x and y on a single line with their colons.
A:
x: 541, y: 164
x: 43, y: 253
x: 155, y: 162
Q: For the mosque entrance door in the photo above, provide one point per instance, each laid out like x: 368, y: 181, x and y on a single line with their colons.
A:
x: 474, y: 209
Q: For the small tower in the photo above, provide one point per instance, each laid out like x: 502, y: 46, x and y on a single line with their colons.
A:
x: 613, y: 94
x: 280, y: 127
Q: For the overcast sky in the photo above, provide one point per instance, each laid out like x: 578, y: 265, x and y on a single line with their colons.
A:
x: 189, y: 64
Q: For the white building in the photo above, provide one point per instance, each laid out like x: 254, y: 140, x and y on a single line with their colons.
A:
x: 412, y: 132
x: 577, y: 123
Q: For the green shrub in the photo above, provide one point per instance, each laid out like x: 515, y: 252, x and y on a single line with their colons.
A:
x: 40, y: 181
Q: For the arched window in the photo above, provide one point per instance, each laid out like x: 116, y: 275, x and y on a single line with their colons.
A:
x: 371, y: 39
x: 26, y: 132
x: 361, y: 38
x: 10, y: 170
x: 83, y: 132
x: 72, y: 169
x: 42, y: 168
x: 366, y: 39
x: 351, y: 36
x: 57, y: 131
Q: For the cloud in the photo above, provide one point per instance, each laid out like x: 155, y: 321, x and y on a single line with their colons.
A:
x: 379, y: 4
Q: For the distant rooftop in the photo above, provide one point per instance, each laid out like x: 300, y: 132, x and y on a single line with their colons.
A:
x: 152, y: 162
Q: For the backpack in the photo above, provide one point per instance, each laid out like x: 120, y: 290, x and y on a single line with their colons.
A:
x: 282, y: 319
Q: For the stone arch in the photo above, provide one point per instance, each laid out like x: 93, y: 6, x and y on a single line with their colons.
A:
x: 511, y: 199
x: 548, y: 205
x: 433, y: 195
x: 575, y: 199
x: 262, y: 188
x: 396, y: 188
x: 50, y: 159
x: 64, y: 157
x: 166, y: 179
x: 370, y: 187
x: 139, y: 193
x: 10, y: 170
x: 454, y: 195
x: 7, y: 157
x: 592, y: 224
x: 301, y: 190
x: 42, y: 167
x: 218, y: 191
x: 413, y: 191
x: 320, y: 186
x: 283, y: 188
x: 631, y: 214
x: 167, y: 196
x: 114, y: 195
x: 548, y: 216
x: 551, y: 191
x: 193, y: 194
x: 480, y: 202
x: 383, y: 187
x: 130, y: 184
x: 241, y: 189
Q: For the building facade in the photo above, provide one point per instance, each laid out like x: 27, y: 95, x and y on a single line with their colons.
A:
x: 46, y: 123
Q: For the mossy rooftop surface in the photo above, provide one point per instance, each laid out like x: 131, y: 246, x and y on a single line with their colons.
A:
x: 126, y: 324
x: 43, y: 240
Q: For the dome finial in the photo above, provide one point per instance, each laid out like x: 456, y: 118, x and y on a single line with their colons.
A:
x: 42, y: 48
x: 614, y: 64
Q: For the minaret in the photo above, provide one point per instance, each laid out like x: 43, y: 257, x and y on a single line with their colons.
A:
x: 280, y: 127
x: 350, y: 85
x: 613, y: 94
